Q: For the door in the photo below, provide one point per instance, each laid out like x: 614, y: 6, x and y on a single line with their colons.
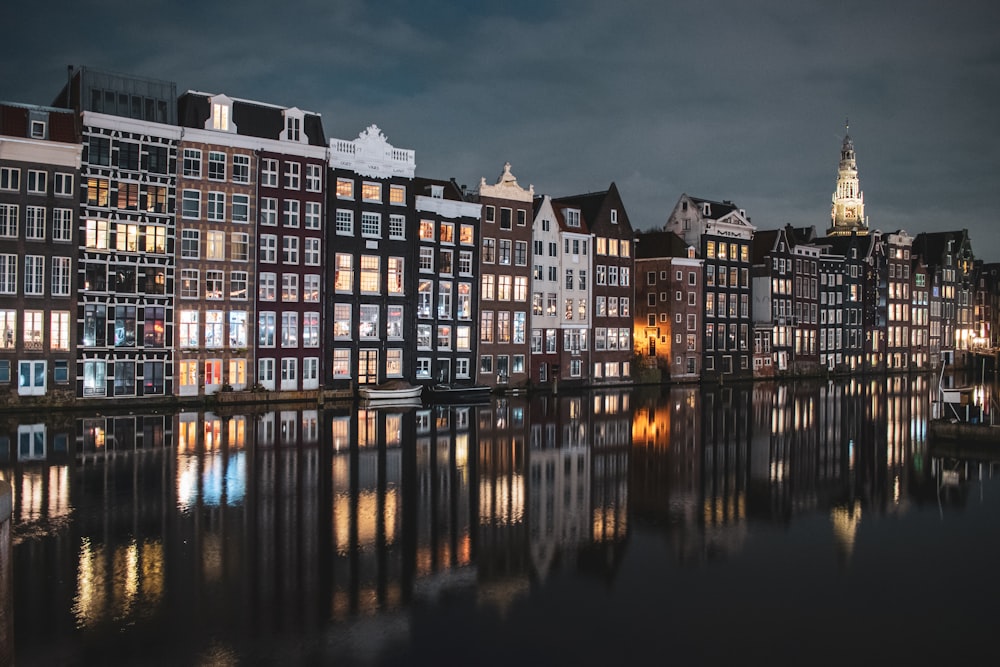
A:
x: 368, y: 366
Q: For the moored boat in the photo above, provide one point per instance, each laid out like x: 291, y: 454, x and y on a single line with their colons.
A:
x: 394, y: 389
x: 454, y: 393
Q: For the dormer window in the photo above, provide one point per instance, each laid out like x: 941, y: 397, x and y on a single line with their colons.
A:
x: 293, y: 126
x: 707, y: 210
x: 221, y: 117
x: 37, y: 129
x: 437, y: 192
x: 572, y: 217
x: 614, y: 216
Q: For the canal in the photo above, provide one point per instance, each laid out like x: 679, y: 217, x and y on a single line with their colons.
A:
x: 801, y: 523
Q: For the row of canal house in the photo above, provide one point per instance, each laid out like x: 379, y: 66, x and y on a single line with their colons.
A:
x: 160, y: 245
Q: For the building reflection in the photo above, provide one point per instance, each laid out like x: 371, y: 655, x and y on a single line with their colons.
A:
x: 268, y: 521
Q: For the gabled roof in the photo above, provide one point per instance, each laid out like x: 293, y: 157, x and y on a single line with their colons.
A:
x: 659, y: 245
x: 449, y: 189
x: 764, y: 243
x: 592, y: 203
x: 933, y: 245
x: 716, y: 209
x: 559, y: 208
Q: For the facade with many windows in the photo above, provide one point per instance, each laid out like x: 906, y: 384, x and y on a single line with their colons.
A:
x: 371, y: 262
x: 447, y: 290
x: 668, y: 303
x: 39, y: 190
x: 546, y: 289
x: 126, y: 268
x: 505, y: 274
x: 217, y: 238
x: 611, y: 262
x: 723, y: 235
x: 291, y: 173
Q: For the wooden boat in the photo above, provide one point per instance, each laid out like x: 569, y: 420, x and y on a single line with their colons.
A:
x: 458, y: 393
x: 391, y: 403
x: 394, y: 389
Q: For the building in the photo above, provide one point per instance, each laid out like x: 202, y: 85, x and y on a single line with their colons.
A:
x: 126, y: 261
x: 547, y: 236
x: 611, y: 265
x: 949, y: 259
x: 575, y: 301
x: 39, y: 237
x: 847, y: 213
x: 505, y: 274
x: 371, y: 245
x: 723, y: 235
x: 447, y: 293
x: 668, y: 305
x: 853, y: 249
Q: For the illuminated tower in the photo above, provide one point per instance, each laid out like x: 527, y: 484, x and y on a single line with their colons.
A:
x: 848, y: 211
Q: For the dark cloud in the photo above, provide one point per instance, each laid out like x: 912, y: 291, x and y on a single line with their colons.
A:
x: 726, y: 99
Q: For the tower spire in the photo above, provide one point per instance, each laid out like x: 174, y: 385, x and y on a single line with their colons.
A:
x: 847, y: 214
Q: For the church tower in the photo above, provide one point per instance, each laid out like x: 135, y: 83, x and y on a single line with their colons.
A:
x: 848, y: 211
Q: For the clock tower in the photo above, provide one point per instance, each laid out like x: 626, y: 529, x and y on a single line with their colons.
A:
x: 847, y: 214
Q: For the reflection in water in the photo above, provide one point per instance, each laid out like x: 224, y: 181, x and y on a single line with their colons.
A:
x: 250, y: 527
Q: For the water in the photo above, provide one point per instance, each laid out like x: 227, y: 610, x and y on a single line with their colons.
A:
x: 809, y: 523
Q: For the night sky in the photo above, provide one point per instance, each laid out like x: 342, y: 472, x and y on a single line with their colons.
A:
x: 736, y: 100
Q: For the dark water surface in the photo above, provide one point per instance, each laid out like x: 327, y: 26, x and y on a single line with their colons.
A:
x: 814, y: 523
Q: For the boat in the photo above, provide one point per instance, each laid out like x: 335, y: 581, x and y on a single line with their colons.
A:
x: 395, y: 403
x: 444, y: 392
x: 965, y: 418
x: 394, y: 389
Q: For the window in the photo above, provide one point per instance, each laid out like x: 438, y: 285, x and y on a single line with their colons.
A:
x: 394, y: 322
x: 343, y: 272
x: 98, y: 191
x: 426, y: 259
x: 489, y: 250
x: 394, y: 275
x: 370, y: 274
x: 241, y: 169
x: 521, y: 253
x: 465, y: 262
x: 8, y: 220
x: 241, y: 208
x: 344, y: 222
x: 38, y: 182
x: 10, y: 178
x: 34, y: 274
x: 191, y: 162
x: 62, y: 184
x: 191, y: 204
x: 289, y: 329
x: 504, y: 256
x: 505, y: 218
x: 128, y: 196
x: 290, y: 213
x: 293, y: 176
x: 368, y: 321
x: 397, y: 227
x: 371, y: 191
x: 213, y: 284
x: 59, y: 331
x: 397, y: 195
x: 268, y: 248
x: 289, y: 287
x: 269, y: 172
x: 99, y: 151
x: 216, y: 166
x: 189, y: 283
x: 342, y: 321
x: 156, y: 199
x: 238, y: 285
x: 313, y: 215
x: 310, y: 287
x: 445, y: 262
x: 311, y: 251
x: 267, y: 286
x: 314, y: 178
x: 371, y: 224
x: 444, y: 300
x: 34, y: 223
x: 341, y: 363
x: 60, y: 276
x: 190, y: 243
x: 424, y: 298
x: 266, y: 329
x: 216, y: 206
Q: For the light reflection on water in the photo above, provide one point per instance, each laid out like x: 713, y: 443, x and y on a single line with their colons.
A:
x: 343, y: 533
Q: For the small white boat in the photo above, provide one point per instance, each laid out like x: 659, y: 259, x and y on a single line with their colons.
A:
x: 394, y: 389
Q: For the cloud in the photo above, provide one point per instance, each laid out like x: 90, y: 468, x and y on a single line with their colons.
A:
x: 725, y: 99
